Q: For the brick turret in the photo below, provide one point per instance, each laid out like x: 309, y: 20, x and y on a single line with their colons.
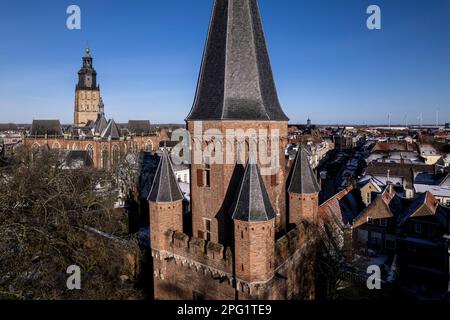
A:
x: 254, y: 229
x: 165, y: 204
x: 303, y: 190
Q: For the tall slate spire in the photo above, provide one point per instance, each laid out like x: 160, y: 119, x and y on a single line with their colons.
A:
x: 165, y: 186
x: 236, y: 81
x: 303, y: 180
x: 252, y: 203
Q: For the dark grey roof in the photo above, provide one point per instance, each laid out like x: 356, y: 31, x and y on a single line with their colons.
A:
x: 8, y: 127
x: 100, y: 124
x: 302, y: 177
x: 112, y: 131
x: 43, y: 127
x: 236, y: 81
x: 252, y: 203
x: 139, y: 127
x: 165, y: 186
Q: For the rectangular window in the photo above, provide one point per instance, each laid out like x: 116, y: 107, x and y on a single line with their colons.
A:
x: 273, y: 180
x: 207, y: 225
x: 208, y: 178
x: 383, y: 223
x: 200, y: 179
x: 431, y: 230
x: 390, y: 244
x: 207, y: 172
x: 418, y: 228
x: 369, y: 220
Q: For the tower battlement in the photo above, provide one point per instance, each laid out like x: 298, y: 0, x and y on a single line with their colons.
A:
x: 197, y: 253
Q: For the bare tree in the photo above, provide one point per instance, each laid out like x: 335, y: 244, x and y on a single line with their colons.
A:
x: 51, y: 218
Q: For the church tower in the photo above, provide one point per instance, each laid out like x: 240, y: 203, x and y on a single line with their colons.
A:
x: 235, y: 91
x: 88, y: 103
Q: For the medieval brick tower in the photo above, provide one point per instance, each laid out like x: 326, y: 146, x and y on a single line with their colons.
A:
x: 236, y: 91
x: 165, y: 199
x: 254, y: 228
x: 242, y: 244
x: 303, y: 190
x: 88, y: 103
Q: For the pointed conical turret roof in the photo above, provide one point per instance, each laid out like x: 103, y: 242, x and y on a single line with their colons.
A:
x: 236, y: 81
x: 165, y: 187
x: 303, y: 180
x: 252, y: 203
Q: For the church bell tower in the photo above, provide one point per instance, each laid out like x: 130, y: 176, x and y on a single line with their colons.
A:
x: 88, y: 102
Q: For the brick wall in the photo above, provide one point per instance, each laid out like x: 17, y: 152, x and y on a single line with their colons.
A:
x: 138, y: 143
x: 254, y: 250
x: 214, y: 202
x: 303, y: 207
x: 163, y: 217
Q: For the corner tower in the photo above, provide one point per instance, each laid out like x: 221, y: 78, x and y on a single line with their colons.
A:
x: 254, y: 229
x: 303, y: 190
x: 165, y: 204
x: 235, y: 91
x: 88, y: 104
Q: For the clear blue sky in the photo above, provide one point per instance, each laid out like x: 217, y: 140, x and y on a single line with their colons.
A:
x: 326, y: 63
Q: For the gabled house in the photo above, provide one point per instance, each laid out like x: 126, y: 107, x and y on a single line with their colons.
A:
x: 423, y: 242
x: 415, y: 230
x: 375, y: 227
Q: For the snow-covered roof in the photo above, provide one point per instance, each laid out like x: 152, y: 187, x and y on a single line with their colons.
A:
x: 437, y: 191
x: 382, y: 181
x: 186, y: 190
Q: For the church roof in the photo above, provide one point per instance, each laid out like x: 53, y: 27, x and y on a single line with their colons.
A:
x: 252, y: 203
x: 236, y: 81
x: 139, y: 127
x: 43, y: 127
x: 100, y: 124
x: 302, y: 177
x: 112, y: 131
x: 165, y: 187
